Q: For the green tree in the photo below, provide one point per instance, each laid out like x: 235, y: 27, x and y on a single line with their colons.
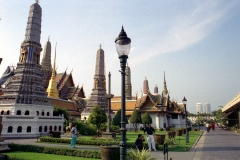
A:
x: 214, y: 113
x: 97, y: 117
x: 61, y: 111
x: 146, y: 118
x: 135, y: 119
x: 117, y: 119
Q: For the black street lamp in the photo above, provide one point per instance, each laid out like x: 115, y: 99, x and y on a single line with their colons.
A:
x: 123, y: 45
x: 198, y: 122
x: 185, y: 103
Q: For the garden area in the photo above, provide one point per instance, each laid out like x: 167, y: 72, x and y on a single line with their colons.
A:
x: 90, y: 142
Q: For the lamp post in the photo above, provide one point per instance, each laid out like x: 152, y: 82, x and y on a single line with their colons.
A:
x: 198, y: 122
x: 185, y: 103
x: 123, y: 45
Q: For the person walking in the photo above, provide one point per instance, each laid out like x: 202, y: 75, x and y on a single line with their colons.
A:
x: 213, y: 126
x: 150, y: 132
x: 74, y: 133
x: 208, y: 127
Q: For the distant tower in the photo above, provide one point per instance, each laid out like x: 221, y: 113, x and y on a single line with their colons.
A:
x: 199, y: 107
x: 207, y: 108
x: 46, y: 64
x: 52, y: 87
x: 145, y: 86
x: 97, y: 97
x: 26, y: 86
x: 155, y: 89
x: 128, y: 84
x: 165, y: 91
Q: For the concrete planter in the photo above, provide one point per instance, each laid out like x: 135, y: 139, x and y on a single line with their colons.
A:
x: 171, y: 134
x: 178, y: 132
x: 183, y: 131
x: 110, y: 152
x: 159, y: 138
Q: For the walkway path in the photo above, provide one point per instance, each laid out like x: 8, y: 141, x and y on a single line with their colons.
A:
x: 215, y: 145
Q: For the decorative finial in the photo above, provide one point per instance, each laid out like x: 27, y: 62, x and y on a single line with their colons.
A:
x: 48, y: 37
x: 122, y: 28
x: 37, y: 1
x: 100, y: 46
x: 145, y: 78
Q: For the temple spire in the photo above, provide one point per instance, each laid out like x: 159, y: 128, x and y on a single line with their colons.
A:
x: 165, y: 91
x: 52, y: 87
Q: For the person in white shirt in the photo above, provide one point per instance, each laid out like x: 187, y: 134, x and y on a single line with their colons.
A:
x: 74, y: 133
x: 208, y: 127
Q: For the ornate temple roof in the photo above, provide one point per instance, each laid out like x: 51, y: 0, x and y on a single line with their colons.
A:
x: 9, y: 72
x: 69, y: 105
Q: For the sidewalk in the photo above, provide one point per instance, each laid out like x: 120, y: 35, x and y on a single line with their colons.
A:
x: 215, y: 145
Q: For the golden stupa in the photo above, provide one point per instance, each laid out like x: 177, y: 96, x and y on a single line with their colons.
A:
x: 52, y: 86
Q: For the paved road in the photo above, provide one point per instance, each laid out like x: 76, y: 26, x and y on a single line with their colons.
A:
x: 215, y: 145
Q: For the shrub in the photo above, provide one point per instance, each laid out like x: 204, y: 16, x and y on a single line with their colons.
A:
x: 85, y: 129
x: 195, y: 129
x: 137, y: 155
x: 94, y: 141
x: 160, y: 129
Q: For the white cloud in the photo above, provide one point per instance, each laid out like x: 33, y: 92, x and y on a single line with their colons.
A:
x: 189, y: 29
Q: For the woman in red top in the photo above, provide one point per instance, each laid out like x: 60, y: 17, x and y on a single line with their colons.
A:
x: 213, y: 126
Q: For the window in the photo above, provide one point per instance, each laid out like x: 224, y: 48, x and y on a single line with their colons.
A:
x: 10, y: 128
x: 48, y: 114
x: 37, y: 113
x: 60, y: 128
x: 18, y: 112
x: 174, y: 116
x: 8, y: 112
x: 50, y: 128
x: 28, y: 129
x: 2, y: 112
x: 42, y: 113
x: 40, y: 129
x: 19, y: 129
x: 26, y: 112
x: 45, y: 129
x: 55, y: 128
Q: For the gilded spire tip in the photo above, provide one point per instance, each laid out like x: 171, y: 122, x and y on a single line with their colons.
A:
x: 37, y: 1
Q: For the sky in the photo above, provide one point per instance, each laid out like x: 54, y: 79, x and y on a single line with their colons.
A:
x: 196, y: 43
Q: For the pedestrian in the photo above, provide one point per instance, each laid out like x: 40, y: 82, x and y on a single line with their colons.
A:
x: 208, y: 127
x: 150, y: 132
x: 213, y: 126
x: 74, y: 133
x: 139, y: 142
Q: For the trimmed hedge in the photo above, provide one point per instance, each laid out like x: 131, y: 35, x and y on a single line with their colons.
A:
x: 95, y: 142
x: 57, y: 151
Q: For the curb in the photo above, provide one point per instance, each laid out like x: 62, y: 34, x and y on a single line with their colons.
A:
x: 194, y: 145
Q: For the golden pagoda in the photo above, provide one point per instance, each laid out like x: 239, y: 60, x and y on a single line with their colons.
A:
x: 52, y: 86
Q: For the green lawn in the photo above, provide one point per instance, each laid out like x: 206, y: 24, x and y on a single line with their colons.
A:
x: 41, y: 156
